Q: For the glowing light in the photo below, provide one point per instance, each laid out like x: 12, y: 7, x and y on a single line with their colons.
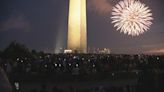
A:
x: 77, y: 65
x: 77, y: 27
x: 55, y: 65
x: 158, y: 51
x: 131, y: 17
x: 69, y: 64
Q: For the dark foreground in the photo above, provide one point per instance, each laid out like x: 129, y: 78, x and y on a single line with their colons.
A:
x: 119, y: 82
x: 85, y: 73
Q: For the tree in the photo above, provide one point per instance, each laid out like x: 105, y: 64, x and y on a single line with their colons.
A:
x: 15, y: 50
x: 0, y: 54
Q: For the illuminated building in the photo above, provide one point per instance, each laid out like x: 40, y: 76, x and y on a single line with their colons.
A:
x: 99, y: 50
x: 67, y: 51
x: 104, y: 51
x: 77, y: 27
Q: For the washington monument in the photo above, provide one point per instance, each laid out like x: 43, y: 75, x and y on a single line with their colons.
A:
x: 77, y: 27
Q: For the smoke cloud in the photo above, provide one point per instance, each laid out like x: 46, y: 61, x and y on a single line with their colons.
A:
x: 100, y: 6
x: 15, y: 22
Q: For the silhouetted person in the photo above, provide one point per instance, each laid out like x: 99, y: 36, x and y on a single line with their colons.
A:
x: 101, y: 89
x: 71, y: 89
x: 4, y: 82
x: 43, y: 88
x: 33, y: 90
x: 55, y: 89
x: 128, y: 88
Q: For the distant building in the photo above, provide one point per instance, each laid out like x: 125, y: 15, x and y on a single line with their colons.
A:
x: 104, y: 51
x: 99, y: 50
x: 68, y: 51
x: 59, y: 50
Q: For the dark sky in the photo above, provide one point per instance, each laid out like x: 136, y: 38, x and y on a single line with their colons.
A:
x: 42, y: 25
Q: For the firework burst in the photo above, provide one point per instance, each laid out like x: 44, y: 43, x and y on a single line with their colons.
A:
x: 131, y: 17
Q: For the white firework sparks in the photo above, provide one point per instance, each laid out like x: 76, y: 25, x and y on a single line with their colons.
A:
x: 131, y: 17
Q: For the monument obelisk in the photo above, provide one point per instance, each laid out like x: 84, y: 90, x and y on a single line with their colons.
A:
x: 77, y: 27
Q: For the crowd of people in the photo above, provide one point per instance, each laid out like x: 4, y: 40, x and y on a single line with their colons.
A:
x: 76, y: 65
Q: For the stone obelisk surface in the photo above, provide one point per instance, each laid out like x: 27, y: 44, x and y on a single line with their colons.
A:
x: 77, y: 26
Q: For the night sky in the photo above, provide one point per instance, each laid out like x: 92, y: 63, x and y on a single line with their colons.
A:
x: 42, y: 25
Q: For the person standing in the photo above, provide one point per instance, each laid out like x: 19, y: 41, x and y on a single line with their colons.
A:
x: 5, y: 85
